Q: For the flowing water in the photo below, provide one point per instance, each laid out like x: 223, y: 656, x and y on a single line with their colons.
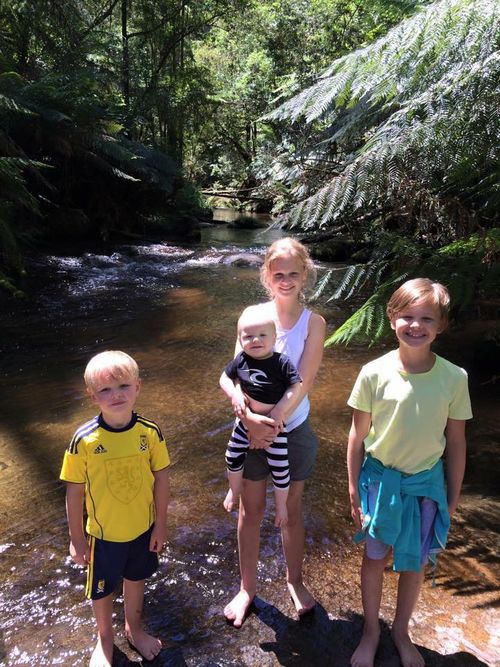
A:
x: 174, y: 309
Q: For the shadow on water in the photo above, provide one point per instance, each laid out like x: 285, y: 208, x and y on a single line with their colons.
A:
x: 320, y: 640
x: 168, y: 657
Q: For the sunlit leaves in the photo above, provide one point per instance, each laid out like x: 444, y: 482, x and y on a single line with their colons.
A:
x: 421, y: 104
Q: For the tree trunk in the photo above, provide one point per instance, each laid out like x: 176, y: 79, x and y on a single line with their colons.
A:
x: 125, y: 57
x: 175, y: 120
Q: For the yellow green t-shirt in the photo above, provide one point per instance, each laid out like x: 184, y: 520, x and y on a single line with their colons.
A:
x: 409, y: 411
x: 116, y: 466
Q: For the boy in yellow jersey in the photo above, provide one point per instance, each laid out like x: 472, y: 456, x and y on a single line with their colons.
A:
x: 410, y: 405
x: 118, y: 463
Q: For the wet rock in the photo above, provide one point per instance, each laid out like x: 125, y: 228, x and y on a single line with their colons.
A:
x: 243, y: 259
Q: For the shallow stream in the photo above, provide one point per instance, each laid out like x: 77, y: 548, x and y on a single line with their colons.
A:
x: 174, y: 309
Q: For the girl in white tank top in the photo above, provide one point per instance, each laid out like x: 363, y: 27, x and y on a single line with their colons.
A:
x: 286, y: 271
x: 291, y: 342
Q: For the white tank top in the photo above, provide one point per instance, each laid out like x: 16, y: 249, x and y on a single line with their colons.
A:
x: 291, y: 342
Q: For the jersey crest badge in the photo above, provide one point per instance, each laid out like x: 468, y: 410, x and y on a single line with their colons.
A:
x: 100, y: 585
x: 124, y: 477
x: 143, y: 444
x: 100, y: 450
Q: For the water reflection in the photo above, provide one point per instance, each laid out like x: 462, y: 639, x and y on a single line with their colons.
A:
x: 175, y: 310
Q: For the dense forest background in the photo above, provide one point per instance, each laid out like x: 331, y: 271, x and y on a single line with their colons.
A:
x: 371, y: 127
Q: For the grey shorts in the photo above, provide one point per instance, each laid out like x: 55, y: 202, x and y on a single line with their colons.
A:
x: 377, y: 550
x: 302, y: 447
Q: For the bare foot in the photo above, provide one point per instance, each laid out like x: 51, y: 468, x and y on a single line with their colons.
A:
x: 237, y: 610
x: 364, y: 655
x: 145, y: 644
x: 301, y: 598
x: 408, y: 653
x: 229, y: 501
x: 102, y: 656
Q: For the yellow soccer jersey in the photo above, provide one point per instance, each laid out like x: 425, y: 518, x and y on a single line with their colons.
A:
x: 116, y: 466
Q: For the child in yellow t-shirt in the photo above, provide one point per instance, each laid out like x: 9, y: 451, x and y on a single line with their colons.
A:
x: 409, y: 406
x: 118, y: 463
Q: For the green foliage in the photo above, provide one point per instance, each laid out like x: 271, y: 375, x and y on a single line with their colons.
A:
x: 470, y: 268
x: 397, y: 144
x: 263, y: 54
x: 369, y: 323
x: 13, y: 185
x: 412, y: 116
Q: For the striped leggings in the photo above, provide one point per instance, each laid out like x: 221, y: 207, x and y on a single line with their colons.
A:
x: 276, y: 453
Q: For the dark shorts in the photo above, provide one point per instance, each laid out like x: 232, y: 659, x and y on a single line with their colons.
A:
x: 302, y: 447
x: 110, y: 562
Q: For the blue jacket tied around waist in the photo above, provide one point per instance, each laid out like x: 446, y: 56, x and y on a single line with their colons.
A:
x: 396, y: 517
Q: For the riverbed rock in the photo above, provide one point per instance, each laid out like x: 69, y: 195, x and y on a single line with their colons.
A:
x: 247, y: 222
x: 243, y: 259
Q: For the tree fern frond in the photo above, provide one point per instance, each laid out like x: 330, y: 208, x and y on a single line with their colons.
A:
x: 9, y: 105
x: 351, y: 328
x: 368, y: 323
x: 321, y: 285
x: 12, y: 182
x: 346, y: 282
x: 412, y: 124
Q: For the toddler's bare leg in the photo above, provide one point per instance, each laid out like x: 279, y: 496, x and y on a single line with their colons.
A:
x: 409, y: 586
x: 372, y: 577
x: 280, y: 497
x: 102, y: 655
x: 235, y: 480
x: 133, y: 598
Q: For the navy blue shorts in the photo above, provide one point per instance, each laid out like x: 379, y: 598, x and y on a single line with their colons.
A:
x: 110, y: 562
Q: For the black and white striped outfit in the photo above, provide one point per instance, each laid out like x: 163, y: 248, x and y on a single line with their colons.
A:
x: 276, y: 454
x: 265, y: 380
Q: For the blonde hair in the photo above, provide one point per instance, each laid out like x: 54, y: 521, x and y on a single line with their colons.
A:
x: 255, y: 316
x: 288, y: 247
x: 110, y: 364
x: 419, y: 289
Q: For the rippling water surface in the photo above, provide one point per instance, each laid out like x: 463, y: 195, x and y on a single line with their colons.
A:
x: 174, y: 309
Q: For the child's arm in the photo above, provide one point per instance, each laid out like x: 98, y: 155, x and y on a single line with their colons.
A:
x: 282, y: 407
x: 235, y: 394
x: 455, y: 460
x: 360, y: 427
x: 161, y: 494
x: 78, y: 547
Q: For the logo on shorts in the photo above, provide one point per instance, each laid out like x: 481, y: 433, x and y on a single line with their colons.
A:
x: 101, y: 585
x: 143, y: 444
x: 100, y: 450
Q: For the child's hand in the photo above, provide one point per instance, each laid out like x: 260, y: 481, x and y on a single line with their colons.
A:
x: 261, y: 430
x: 79, y: 551
x: 239, y: 402
x: 158, y: 540
x: 277, y: 416
x: 356, y: 513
